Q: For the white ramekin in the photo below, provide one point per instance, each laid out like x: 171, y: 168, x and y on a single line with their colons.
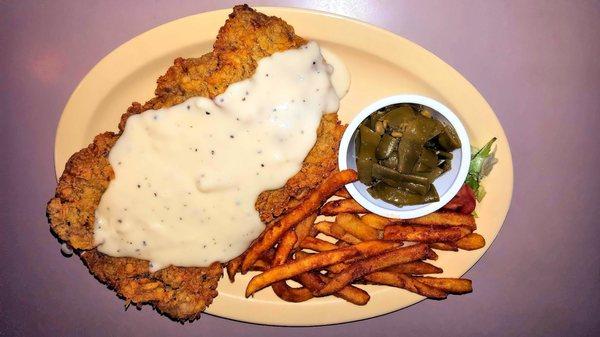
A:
x: 447, y: 184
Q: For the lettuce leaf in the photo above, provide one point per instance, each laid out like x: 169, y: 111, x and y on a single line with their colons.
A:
x: 482, y: 162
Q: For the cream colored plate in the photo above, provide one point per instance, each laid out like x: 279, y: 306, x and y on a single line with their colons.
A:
x: 381, y: 64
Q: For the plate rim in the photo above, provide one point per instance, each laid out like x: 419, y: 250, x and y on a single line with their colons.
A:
x: 281, y: 12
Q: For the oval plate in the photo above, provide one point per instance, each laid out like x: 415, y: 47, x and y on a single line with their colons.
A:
x: 129, y: 73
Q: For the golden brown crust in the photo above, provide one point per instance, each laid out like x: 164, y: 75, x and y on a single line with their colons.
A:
x: 182, y: 293
x: 86, y: 177
x: 179, y: 292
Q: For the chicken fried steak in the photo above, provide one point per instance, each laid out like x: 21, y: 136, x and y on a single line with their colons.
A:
x: 183, y: 292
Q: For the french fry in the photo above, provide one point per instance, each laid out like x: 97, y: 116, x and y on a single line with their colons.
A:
x: 329, y: 228
x: 415, y: 268
x: 281, y: 288
x: 338, y: 230
x: 284, y: 248
x: 334, y: 268
x: 268, y: 255
x: 449, y: 246
x: 287, y: 271
x: 413, y: 285
x: 411, y: 268
x: 290, y: 294
x: 349, y: 293
x: 305, y: 209
x: 431, y: 255
x: 433, y: 219
x: 342, y: 206
x: 352, y: 294
x: 471, y: 242
x: 424, y: 234
x: 393, y: 276
x: 449, y: 285
x: 353, y: 225
x: 260, y: 265
x: 315, y: 261
x: 303, y: 229
x: 233, y: 267
x: 343, y: 192
x: 450, y: 219
x: 341, y: 243
x: 405, y: 282
x: 378, y: 221
x: 372, y: 264
x: 317, y: 245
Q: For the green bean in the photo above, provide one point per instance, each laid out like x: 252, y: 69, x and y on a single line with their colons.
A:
x: 448, y: 139
x: 413, y: 187
x: 408, y: 154
x: 445, y: 155
x: 408, y: 186
x: 427, y: 160
x: 386, y: 146
x: 431, y: 175
x: 423, y: 129
x: 365, y: 170
x: 401, y: 197
x: 411, y: 183
x: 398, y: 117
x: 391, y: 161
x: 368, y: 141
x: 382, y: 172
x: 446, y: 165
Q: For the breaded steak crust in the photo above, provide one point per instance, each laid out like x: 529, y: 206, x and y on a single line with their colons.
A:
x: 183, y: 292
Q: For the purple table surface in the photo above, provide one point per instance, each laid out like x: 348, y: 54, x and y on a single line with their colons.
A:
x: 537, y: 64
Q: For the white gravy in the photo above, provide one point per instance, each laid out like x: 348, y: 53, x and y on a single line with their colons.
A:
x: 187, y: 176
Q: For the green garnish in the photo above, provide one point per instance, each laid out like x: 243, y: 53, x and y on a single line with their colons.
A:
x: 481, y: 165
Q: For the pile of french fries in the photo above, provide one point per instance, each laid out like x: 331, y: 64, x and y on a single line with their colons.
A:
x: 357, y: 247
